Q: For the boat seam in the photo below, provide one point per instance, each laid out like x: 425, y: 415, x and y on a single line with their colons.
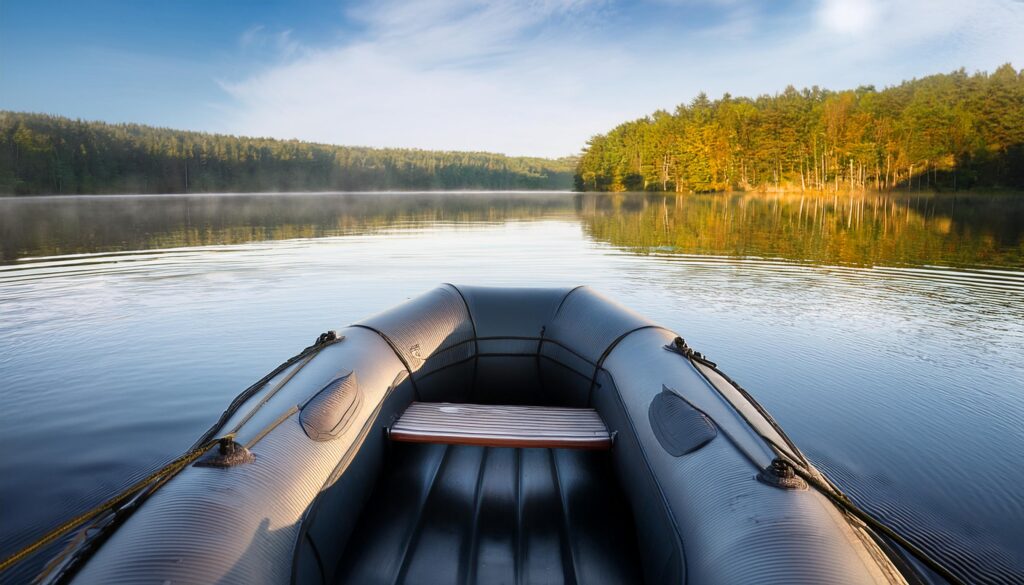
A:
x: 565, y: 519
x: 650, y: 471
x: 401, y: 358
x: 517, y: 565
x: 418, y: 528
x: 476, y: 342
x: 608, y: 350
x: 474, y: 529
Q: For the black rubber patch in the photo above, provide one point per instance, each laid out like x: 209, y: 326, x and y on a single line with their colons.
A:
x: 678, y: 426
x: 328, y: 413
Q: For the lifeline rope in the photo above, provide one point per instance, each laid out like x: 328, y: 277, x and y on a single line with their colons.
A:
x: 163, y: 474
x: 802, y: 468
x: 168, y: 471
x: 844, y: 502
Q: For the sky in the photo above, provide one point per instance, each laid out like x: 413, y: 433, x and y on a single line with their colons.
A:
x: 532, y: 77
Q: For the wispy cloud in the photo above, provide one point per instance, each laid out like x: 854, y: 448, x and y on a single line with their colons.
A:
x: 541, y: 76
x: 849, y: 16
x: 251, y: 36
x: 259, y: 39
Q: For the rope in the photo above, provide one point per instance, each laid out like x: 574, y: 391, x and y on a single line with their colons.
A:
x: 325, y: 340
x: 802, y: 468
x: 844, y: 502
x: 163, y: 474
x: 205, y: 443
x: 171, y: 469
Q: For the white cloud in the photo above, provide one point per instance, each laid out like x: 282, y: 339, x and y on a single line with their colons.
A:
x: 540, y: 77
x: 436, y: 74
x: 849, y: 16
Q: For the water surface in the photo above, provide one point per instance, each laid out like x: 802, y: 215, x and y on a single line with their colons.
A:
x: 885, y: 333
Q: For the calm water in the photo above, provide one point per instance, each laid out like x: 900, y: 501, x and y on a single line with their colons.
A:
x: 884, y: 333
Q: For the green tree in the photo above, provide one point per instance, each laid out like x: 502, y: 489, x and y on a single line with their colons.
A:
x: 943, y: 131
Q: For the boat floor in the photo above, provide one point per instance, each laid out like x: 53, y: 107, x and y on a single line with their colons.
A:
x: 460, y: 514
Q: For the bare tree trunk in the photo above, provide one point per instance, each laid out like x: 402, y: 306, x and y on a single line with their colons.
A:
x: 824, y: 170
x: 817, y: 181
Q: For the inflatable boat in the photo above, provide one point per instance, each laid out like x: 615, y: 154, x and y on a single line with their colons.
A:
x: 492, y: 435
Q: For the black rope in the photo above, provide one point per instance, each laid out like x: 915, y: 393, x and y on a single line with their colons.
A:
x: 844, y: 502
x: 124, y: 503
x: 160, y: 476
x: 802, y: 469
x: 324, y: 340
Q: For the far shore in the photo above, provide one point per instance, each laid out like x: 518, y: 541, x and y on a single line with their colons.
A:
x: 986, y: 191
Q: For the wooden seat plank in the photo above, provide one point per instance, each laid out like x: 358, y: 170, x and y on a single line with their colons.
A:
x: 501, y: 426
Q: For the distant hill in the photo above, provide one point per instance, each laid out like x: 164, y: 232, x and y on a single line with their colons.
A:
x: 42, y: 154
x: 950, y: 131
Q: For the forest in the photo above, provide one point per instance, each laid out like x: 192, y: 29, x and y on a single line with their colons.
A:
x: 942, y: 132
x: 43, y: 154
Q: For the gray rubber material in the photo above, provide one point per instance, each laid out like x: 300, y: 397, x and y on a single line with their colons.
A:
x: 679, y: 427
x: 328, y: 413
x: 481, y: 515
x: 310, y: 510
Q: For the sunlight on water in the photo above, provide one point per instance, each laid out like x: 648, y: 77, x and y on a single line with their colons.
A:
x: 891, y: 357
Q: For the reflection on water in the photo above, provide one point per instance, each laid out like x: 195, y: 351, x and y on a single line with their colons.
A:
x: 47, y: 226
x: 884, y: 334
x: 861, y: 230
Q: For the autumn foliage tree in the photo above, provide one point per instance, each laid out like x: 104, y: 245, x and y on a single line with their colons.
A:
x: 950, y: 131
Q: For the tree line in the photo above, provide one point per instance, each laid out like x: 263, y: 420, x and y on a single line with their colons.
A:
x: 43, y: 154
x: 947, y: 131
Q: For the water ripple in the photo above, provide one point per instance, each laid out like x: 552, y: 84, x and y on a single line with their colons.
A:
x: 904, y: 383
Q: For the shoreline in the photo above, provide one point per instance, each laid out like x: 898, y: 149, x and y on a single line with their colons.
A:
x: 986, y: 191
x: 394, y: 193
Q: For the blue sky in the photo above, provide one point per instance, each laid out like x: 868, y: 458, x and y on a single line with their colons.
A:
x: 534, y: 77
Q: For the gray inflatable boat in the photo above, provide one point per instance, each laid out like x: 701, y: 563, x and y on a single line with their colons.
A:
x: 489, y: 435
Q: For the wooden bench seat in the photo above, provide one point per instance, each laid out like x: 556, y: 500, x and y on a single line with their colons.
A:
x: 501, y: 426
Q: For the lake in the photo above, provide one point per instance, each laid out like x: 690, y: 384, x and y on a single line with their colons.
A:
x: 885, y: 333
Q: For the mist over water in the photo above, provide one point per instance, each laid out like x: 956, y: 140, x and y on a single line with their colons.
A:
x: 885, y: 333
